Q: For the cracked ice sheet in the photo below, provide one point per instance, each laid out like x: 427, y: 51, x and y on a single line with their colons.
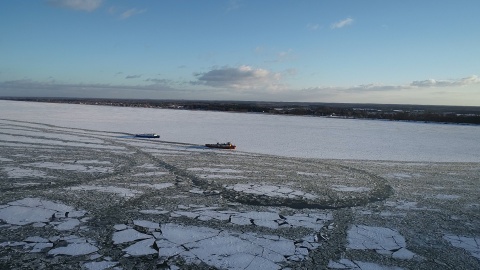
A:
x: 384, y: 241
x: 99, y: 265
x: 128, y: 235
x: 218, y: 248
x: 223, y: 249
x: 271, y: 191
x: 35, y: 210
x: 76, y: 246
x: 265, y: 219
x: 470, y: 244
x: 122, y: 192
x: 359, y: 265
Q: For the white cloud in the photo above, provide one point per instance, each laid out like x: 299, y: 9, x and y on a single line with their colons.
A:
x: 342, y: 23
x: 83, y: 5
x: 131, y: 12
x: 247, y: 83
x: 445, y: 83
x: 133, y: 76
x: 233, y: 4
x: 243, y: 77
x: 285, y: 55
x: 313, y: 26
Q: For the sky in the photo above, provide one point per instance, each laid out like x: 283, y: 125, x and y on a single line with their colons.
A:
x: 346, y: 51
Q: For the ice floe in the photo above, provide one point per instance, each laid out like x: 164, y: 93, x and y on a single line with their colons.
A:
x: 155, y: 186
x: 128, y: 235
x: 402, y: 176
x: 154, y: 212
x: 272, y: 220
x: 17, y: 172
x: 71, y: 167
x: 147, y: 224
x: 313, y: 174
x: 122, y: 192
x: 151, y: 174
x: 74, y: 249
x: 384, y: 241
x: 218, y: 248
x: 406, y: 205
x: 34, y: 210
x: 359, y: 265
x: 99, y: 265
x: 141, y: 248
x: 470, y: 244
x: 447, y: 197
x: 215, y: 170
x: 271, y: 191
x: 47, y: 215
x: 343, y: 188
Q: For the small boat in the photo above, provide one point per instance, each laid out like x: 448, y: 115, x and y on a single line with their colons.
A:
x: 147, y: 135
x: 227, y: 145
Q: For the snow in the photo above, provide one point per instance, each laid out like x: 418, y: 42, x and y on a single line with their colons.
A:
x: 298, y: 136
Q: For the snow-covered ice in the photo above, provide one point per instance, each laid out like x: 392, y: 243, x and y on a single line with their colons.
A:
x: 359, y: 265
x: 218, y: 248
x: 384, y: 241
x: 470, y: 244
x: 36, y: 210
x: 271, y: 191
x: 122, y: 192
x: 297, y: 136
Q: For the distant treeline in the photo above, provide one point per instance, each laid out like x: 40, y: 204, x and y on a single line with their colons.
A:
x: 395, y: 112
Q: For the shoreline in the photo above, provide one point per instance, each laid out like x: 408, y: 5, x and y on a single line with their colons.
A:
x: 438, y: 114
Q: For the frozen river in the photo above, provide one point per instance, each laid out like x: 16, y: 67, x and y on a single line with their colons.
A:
x: 295, y: 136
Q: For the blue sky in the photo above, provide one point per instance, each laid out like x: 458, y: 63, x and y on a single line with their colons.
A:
x: 371, y: 51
